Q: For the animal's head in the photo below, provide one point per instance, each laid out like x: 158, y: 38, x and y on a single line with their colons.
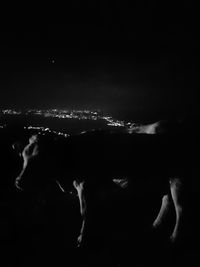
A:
x: 31, y: 168
x: 44, y: 159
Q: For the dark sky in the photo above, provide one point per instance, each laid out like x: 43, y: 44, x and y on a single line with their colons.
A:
x: 141, y: 60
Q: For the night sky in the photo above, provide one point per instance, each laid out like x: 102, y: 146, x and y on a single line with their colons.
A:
x: 140, y: 61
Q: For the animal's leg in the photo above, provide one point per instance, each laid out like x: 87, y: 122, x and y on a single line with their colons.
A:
x: 163, y: 211
x: 79, y: 187
x: 60, y: 186
x: 175, y: 186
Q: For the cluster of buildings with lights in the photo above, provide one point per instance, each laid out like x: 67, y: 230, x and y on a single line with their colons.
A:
x: 68, y: 114
x: 44, y: 130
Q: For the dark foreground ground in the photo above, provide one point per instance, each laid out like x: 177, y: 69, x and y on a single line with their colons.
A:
x: 118, y: 234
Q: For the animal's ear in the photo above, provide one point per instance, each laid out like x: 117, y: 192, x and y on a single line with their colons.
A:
x: 18, y: 148
x: 33, y: 139
x: 123, y: 183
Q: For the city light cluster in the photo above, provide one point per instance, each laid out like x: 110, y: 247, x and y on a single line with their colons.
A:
x: 126, y: 127
x: 112, y: 122
x: 70, y: 114
x: 45, y: 130
x: 11, y: 112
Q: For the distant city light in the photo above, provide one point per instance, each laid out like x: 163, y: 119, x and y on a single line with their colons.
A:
x: 11, y: 112
x: 73, y: 114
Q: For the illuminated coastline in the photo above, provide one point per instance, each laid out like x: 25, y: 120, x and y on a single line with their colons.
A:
x: 80, y: 115
x: 69, y: 114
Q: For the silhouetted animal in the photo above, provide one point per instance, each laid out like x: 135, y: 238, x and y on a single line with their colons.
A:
x: 100, y: 157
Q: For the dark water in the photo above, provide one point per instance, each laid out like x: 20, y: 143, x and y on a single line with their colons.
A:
x: 118, y: 234
x: 69, y: 126
x: 43, y: 231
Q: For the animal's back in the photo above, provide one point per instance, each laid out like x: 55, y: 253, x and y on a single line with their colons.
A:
x: 103, y: 154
